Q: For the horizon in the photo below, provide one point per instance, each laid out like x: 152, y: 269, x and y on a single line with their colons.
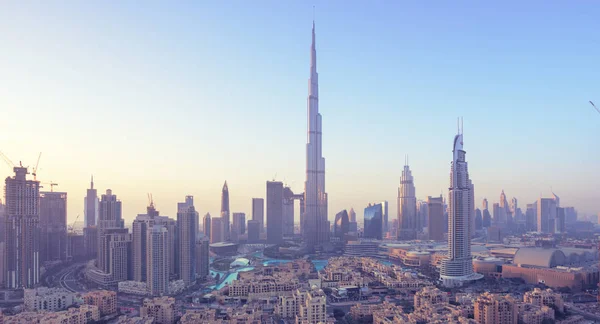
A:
x: 148, y: 113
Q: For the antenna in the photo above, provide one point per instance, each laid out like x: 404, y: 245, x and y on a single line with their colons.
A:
x: 313, y: 13
x: 462, y: 127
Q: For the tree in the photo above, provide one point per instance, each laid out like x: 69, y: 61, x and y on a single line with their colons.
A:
x: 338, y: 313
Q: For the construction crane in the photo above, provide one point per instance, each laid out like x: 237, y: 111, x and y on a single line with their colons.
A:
x: 34, y: 173
x: 52, y: 184
x: 598, y: 110
x: 7, y: 160
x: 70, y: 228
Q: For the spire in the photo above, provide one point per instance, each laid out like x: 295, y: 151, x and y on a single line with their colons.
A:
x: 313, y: 52
x: 225, y: 188
x: 92, y: 182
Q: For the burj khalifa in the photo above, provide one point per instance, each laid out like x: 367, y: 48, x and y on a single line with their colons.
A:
x: 315, y: 227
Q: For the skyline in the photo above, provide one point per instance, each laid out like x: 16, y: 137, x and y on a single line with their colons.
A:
x: 244, y: 158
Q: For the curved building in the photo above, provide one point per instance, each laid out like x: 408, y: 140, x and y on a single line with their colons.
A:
x: 342, y: 224
x: 457, y: 267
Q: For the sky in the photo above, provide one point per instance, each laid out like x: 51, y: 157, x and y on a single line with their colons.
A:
x: 175, y: 98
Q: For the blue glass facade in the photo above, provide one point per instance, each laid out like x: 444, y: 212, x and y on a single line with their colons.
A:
x: 373, y: 226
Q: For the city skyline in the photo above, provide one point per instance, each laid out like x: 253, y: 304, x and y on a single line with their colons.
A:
x: 162, y: 174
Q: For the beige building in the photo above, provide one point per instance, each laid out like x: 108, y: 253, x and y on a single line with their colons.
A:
x: 162, y: 309
x: 429, y: 296
x: 157, y: 256
x: 105, y: 300
x: 49, y: 299
x: 82, y: 315
x: 531, y: 314
x: 306, y: 306
x: 539, y: 297
x: 495, y: 309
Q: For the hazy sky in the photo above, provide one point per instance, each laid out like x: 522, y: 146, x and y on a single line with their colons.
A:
x: 174, y: 99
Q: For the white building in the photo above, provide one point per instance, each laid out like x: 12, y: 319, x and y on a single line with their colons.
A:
x: 48, y: 299
x: 407, y: 206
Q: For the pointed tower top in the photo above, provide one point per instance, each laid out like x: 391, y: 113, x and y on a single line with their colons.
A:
x: 313, y: 51
x: 92, y: 182
x: 225, y: 188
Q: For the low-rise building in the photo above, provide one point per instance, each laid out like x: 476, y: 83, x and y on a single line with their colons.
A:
x: 133, y: 287
x: 83, y: 315
x: 162, y: 309
x: 495, y: 309
x: 49, y: 299
x: 546, y: 297
x: 430, y: 296
x: 105, y: 300
x: 135, y: 320
x: 532, y: 314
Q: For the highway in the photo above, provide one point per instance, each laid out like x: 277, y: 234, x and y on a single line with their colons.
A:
x: 67, y: 278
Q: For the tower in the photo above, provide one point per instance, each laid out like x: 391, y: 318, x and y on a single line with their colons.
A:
x: 53, y: 226
x: 225, y: 213
x: 258, y: 212
x: 91, y: 205
x: 157, y: 254
x: 407, y: 206
x: 457, y: 267
x: 109, y: 217
x: 206, y: 225
x: 274, y: 212
x: 187, y: 224
x: 315, y: 227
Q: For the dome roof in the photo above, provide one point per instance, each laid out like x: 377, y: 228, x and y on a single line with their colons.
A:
x: 539, y: 257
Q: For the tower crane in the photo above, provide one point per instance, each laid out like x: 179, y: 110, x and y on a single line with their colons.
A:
x: 34, y: 173
x: 52, y: 184
x: 70, y: 228
x: 598, y: 110
x: 7, y: 160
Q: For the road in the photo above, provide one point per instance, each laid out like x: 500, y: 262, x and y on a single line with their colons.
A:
x: 67, y: 278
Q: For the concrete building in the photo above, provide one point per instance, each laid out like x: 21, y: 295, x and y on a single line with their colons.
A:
x: 202, y: 259
x: 157, y: 258
x: 258, y: 212
x: 162, y: 309
x: 495, y: 309
x: 435, y: 210
x: 274, y: 212
x: 115, y: 259
x: 457, y: 267
x: 315, y: 226
x: 216, y: 230
x: 385, y: 209
x: 407, y: 206
x: 422, y: 214
x: 373, y: 222
x: 352, y: 215
x: 90, y: 241
x: 22, y: 231
x: 76, y: 247
x: 206, y: 223
x: 305, y: 306
x: 187, y: 223
x: 429, y: 296
x: 560, y: 224
x: 341, y: 226
x: 110, y: 218
x: 253, y: 231
x: 287, y: 219
x: 91, y: 205
x: 238, y: 228
x: 53, y: 226
x: 47, y: 299
x: 225, y: 212
x: 546, y: 215
x: 539, y: 297
x: 105, y: 300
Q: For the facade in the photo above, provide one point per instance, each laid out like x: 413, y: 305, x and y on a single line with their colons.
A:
x: 253, y: 231
x: 216, y: 230
x: 429, y: 296
x: 546, y: 215
x: 91, y: 206
x: 75, y: 247
x: 496, y: 309
x: 206, y: 222
x: 238, y: 227
x: 341, y: 224
x: 385, y: 209
x: 407, y: 206
x: 352, y: 215
x: 162, y: 309
x: 21, y: 231
x: 315, y: 227
x: 499, y: 214
x: 478, y: 219
x: 53, y: 226
x: 287, y: 220
x: 305, y: 306
x: 373, y: 222
x: 116, y: 242
x: 109, y: 218
x: 560, y: 224
x: 539, y: 297
x: 422, y: 214
x: 258, y: 212
x: 105, y: 300
x: 90, y: 241
x: 435, y: 209
x: 274, y: 212
x: 457, y: 267
x: 157, y: 259
x: 225, y: 212
x: 202, y: 258
x: 187, y: 224
x: 47, y: 299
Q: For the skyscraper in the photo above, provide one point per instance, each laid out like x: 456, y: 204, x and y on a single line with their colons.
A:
x: 385, y: 209
x: 274, y: 212
x: 253, y: 231
x: 206, y: 225
x: 216, y: 230
x: 341, y: 226
x: 158, y: 258
x: 407, y: 206
x: 53, y: 226
x: 258, y: 212
x: 546, y: 215
x: 352, y: 215
x: 202, y: 258
x: 187, y: 223
x: 373, y: 222
x: 91, y: 205
x: 435, y: 212
x: 478, y: 219
x: 239, y: 226
x: 422, y: 214
x: 225, y: 212
x: 109, y: 217
x: 315, y: 227
x: 457, y: 267
x: 288, y: 211
x: 22, y: 231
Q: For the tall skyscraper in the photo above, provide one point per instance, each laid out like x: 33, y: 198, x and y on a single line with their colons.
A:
x: 422, y: 214
x: 514, y: 205
x: 202, y: 258
x: 258, y: 212
x: 274, y: 212
x: 373, y: 222
x: 53, y: 226
x: 239, y: 226
x: 341, y: 226
x: 559, y: 224
x: 91, y: 205
x: 206, y: 225
x: 531, y: 217
x: 315, y: 227
x: 158, y: 258
x: 435, y: 210
x: 457, y: 267
x: 485, y: 204
x: 116, y: 244
x: 503, y: 201
x: 22, y: 231
x: 385, y: 209
x: 546, y: 215
x: 253, y: 231
x: 187, y: 223
x: 478, y: 219
x: 499, y: 214
x: 225, y: 212
x: 109, y: 217
x: 407, y: 206
x: 352, y: 215
x: 216, y: 230
x: 288, y: 211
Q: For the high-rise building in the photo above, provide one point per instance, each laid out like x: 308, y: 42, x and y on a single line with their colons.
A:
x: 487, y: 218
x: 422, y: 215
x: 560, y: 224
x: 53, y: 226
x: 206, y: 225
x: 385, y: 209
x: 495, y: 309
x: 315, y: 227
x: 435, y: 209
x: 373, y: 222
x: 546, y: 215
x: 352, y: 215
x: 258, y: 212
x: 22, y: 231
x: 157, y: 260
x: 514, y: 205
x: 187, y: 223
x: 288, y: 211
x: 253, y: 231
x: 202, y: 258
x: 485, y: 204
x: 274, y: 212
x: 91, y: 206
x: 115, y: 244
x: 216, y: 230
x: 238, y: 227
x: 570, y: 215
x: 457, y: 267
x: 407, y: 206
x: 503, y: 201
x: 225, y: 212
x: 90, y: 241
x: 478, y: 219
x: 531, y: 217
x: 341, y: 226
x: 556, y: 199
x: 109, y: 217
x: 499, y: 214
